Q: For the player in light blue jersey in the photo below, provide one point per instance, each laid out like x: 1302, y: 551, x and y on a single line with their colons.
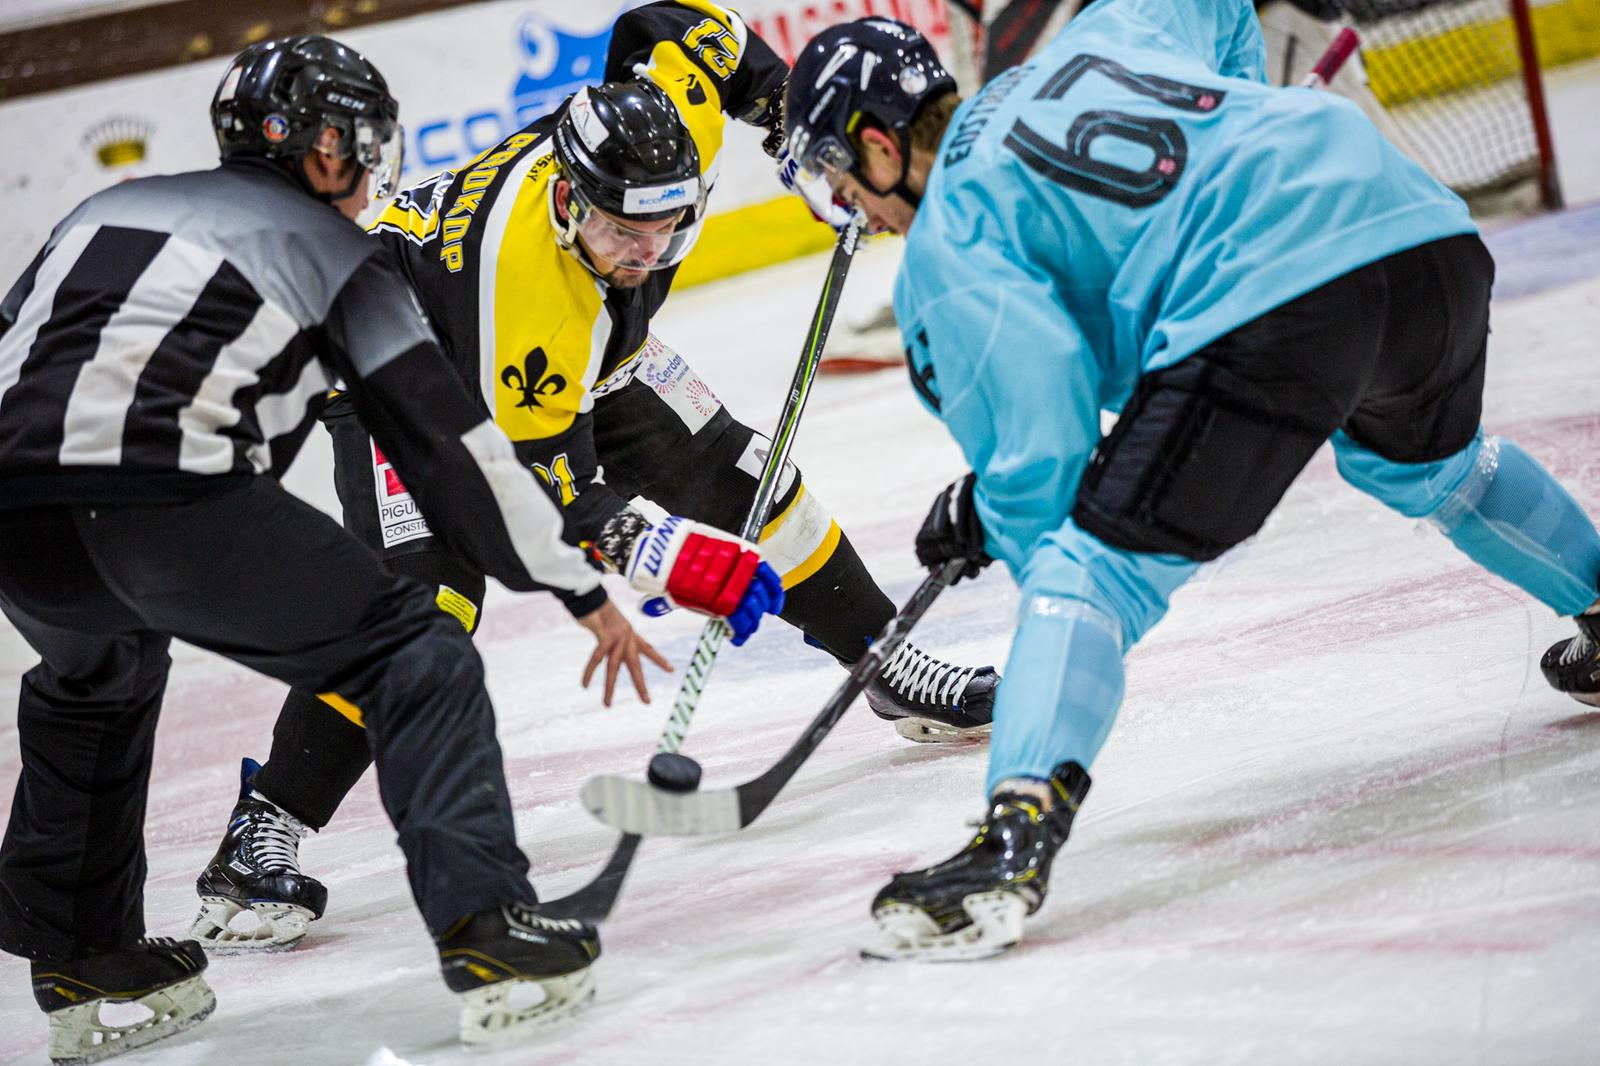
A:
x: 1135, y: 221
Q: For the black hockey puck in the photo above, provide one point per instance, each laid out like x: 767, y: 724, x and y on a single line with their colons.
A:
x: 674, y: 772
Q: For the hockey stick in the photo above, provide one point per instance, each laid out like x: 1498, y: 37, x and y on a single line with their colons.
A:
x: 1344, y: 43
x: 637, y: 807
x: 594, y: 901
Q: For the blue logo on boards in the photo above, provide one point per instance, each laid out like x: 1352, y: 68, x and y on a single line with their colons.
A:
x: 552, y: 64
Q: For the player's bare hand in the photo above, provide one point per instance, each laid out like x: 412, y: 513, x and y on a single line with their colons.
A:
x: 618, y: 645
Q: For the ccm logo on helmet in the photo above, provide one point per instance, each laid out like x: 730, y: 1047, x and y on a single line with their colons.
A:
x: 354, y: 103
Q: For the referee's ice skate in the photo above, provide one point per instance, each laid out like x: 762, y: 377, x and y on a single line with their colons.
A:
x: 256, y: 872
x: 930, y: 700
x: 971, y: 906
x: 517, y: 970
x: 158, y: 974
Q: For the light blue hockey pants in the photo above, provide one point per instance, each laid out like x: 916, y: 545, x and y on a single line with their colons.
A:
x: 1084, y: 604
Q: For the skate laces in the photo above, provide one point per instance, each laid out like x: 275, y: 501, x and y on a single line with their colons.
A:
x: 918, y: 676
x: 273, y: 837
x: 524, y: 915
x: 1579, y: 647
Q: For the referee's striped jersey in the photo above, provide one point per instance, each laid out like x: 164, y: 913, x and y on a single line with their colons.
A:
x: 176, y: 333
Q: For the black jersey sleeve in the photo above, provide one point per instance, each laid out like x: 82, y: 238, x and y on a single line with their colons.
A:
x: 747, y: 73
x: 478, y: 499
x: 569, y: 466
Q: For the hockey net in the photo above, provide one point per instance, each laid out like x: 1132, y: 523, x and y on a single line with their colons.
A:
x: 1459, y: 79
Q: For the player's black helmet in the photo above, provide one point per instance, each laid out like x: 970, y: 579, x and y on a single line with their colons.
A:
x: 873, y: 69
x: 278, y: 96
x: 624, y: 145
x: 624, y: 150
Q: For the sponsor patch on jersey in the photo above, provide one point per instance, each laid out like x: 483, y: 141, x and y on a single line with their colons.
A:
x: 275, y: 127
x: 675, y: 381
x: 648, y: 198
x: 399, y: 518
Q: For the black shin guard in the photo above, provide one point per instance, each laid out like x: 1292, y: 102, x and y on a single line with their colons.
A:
x: 839, y: 607
x: 318, y: 755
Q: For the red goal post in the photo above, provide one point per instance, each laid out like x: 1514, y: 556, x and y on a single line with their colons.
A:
x: 1462, y: 82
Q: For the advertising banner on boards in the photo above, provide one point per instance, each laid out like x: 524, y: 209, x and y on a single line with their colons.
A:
x: 466, y: 78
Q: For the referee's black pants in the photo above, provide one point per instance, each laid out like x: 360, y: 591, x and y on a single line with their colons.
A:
x: 253, y: 574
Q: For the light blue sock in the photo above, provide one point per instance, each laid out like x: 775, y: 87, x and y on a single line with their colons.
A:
x: 1063, y: 685
x: 1084, y: 603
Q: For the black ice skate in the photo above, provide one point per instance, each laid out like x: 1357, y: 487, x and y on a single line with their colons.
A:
x: 1573, y: 665
x: 256, y: 872
x: 161, y: 975
x: 495, y: 958
x: 930, y: 700
x: 971, y: 906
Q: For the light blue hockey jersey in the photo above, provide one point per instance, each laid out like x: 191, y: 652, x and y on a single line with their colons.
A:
x: 1133, y: 192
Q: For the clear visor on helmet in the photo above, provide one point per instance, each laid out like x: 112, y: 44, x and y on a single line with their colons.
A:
x: 826, y: 158
x: 636, y: 244
x: 380, y: 147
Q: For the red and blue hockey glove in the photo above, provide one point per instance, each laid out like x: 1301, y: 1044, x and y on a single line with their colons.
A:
x: 953, y: 530
x: 682, y: 563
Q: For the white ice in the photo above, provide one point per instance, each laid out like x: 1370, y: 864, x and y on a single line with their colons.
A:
x: 1341, y: 817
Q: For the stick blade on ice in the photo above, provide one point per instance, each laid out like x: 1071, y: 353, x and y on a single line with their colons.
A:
x: 637, y: 807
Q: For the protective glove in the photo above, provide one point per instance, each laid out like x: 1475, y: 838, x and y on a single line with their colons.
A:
x: 768, y: 114
x: 952, y: 530
x: 683, y: 563
x: 815, y: 191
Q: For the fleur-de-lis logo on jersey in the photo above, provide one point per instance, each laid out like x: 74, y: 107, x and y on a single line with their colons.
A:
x: 531, y: 380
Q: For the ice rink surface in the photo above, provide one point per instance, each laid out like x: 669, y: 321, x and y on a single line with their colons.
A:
x: 1341, y: 817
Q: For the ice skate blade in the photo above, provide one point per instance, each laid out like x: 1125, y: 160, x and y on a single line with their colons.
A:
x: 930, y: 731
x: 1588, y: 699
x: 279, y: 926
x: 77, y: 1036
x: 490, y: 1020
x: 907, y: 934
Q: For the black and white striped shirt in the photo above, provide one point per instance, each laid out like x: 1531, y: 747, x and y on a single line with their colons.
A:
x: 178, y: 332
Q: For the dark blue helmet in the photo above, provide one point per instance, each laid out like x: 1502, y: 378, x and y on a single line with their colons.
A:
x: 873, y: 69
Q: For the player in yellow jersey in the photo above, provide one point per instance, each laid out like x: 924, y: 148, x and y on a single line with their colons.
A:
x: 540, y: 264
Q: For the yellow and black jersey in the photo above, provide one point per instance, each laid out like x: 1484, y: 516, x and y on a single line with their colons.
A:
x: 530, y: 328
